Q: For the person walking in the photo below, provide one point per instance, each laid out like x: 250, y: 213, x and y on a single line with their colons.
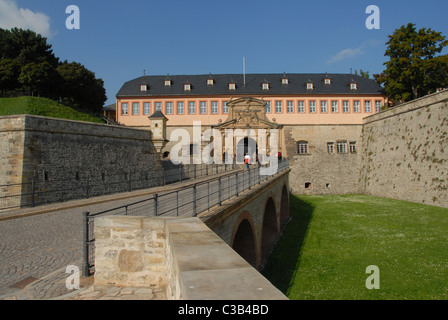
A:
x: 247, y: 160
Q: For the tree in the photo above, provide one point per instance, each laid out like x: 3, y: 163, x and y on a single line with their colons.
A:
x: 40, y: 77
x: 80, y: 87
x: 413, y: 68
x: 26, y: 46
x: 9, y: 74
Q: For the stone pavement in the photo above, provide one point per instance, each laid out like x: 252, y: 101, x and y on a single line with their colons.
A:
x: 37, y: 244
x: 51, y: 286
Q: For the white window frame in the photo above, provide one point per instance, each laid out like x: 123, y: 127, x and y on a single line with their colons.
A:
x: 352, y: 147
x: 225, y: 107
x: 180, y: 107
x: 367, y: 106
x: 302, y: 147
x: 323, y: 106
x: 124, y: 109
x: 169, y: 107
x: 191, y: 107
x: 135, y: 108
x: 341, y: 147
x: 301, y: 106
x: 356, y: 106
x: 278, y: 106
x: 346, y: 106
x: 203, y: 107
x: 290, y: 106
x: 335, y: 106
x: 147, y: 108
x: 157, y: 106
x: 214, y: 107
x: 268, y: 107
x: 378, y: 105
x: 312, y: 105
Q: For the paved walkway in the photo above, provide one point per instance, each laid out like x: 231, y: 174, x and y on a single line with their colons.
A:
x: 37, y: 245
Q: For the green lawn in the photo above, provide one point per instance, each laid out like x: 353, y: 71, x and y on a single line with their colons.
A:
x: 331, y: 240
x: 43, y: 107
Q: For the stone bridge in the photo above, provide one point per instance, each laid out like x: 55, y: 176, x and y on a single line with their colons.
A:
x: 214, y: 255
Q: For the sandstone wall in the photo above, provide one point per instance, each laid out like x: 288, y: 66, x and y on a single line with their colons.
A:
x: 72, y: 159
x: 321, y: 172
x: 405, y: 154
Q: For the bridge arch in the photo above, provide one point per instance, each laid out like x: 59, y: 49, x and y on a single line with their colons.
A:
x: 244, y: 238
x: 270, y: 227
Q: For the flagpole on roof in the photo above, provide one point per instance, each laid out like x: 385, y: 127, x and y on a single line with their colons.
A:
x: 244, y: 71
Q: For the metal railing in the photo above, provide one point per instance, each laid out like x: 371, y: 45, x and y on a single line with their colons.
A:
x: 188, y: 201
x: 46, y: 191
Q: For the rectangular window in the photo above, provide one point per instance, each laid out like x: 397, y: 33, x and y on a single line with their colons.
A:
x: 323, y: 107
x: 268, y: 106
x: 135, y: 109
x: 203, y: 107
x: 356, y: 107
x: 302, y: 147
x: 330, y: 147
x: 313, y: 106
x: 191, y: 107
x: 345, y: 106
x: 342, y: 147
x: 278, y: 107
x: 352, y: 147
x: 158, y: 106
x: 169, y: 108
x: 225, y: 108
x: 147, y: 108
x: 124, y: 109
x: 367, y: 107
x: 214, y: 107
x: 290, y: 106
x: 334, y: 107
x: 378, y: 106
x: 301, y: 107
x: 180, y: 108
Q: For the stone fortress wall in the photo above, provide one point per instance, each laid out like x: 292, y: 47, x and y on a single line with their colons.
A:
x: 62, y: 155
x: 405, y: 152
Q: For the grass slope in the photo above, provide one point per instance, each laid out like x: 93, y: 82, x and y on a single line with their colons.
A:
x: 331, y: 240
x: 43, y: 107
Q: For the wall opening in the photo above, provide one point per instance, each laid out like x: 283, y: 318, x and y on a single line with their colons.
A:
x: 246, y: 145
x: 307, y: 185
x: 244, y: 242
x: 270, y: 229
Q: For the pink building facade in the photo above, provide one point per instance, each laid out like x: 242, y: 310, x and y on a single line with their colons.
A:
x: 290, y: 99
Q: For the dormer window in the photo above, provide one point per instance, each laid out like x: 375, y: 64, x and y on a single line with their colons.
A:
x: 327, y: 81
x: 210, y: 82
x: 265, y: 86
x: 187, y: 87
x: 144, y: 87
x: 309, y: 86
x: 353, y: 86
x: 167, y: 83
x: 285, y: 81
x: 232, y: 86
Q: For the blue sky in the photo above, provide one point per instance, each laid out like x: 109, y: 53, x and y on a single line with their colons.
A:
x: 119, y: 39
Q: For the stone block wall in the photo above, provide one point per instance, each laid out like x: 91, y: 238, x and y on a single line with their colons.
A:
x: 321, y: 172
x: 12, y: 137
x: 62, y: 155
x: 405, y: 153
x: 180, y: 255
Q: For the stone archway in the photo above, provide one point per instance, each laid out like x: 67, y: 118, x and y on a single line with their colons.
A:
x: 270, y: 229
x: 246, y: 145
x: 244, y: 242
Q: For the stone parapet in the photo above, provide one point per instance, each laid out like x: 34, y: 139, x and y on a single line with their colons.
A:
x: 181, y: 255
